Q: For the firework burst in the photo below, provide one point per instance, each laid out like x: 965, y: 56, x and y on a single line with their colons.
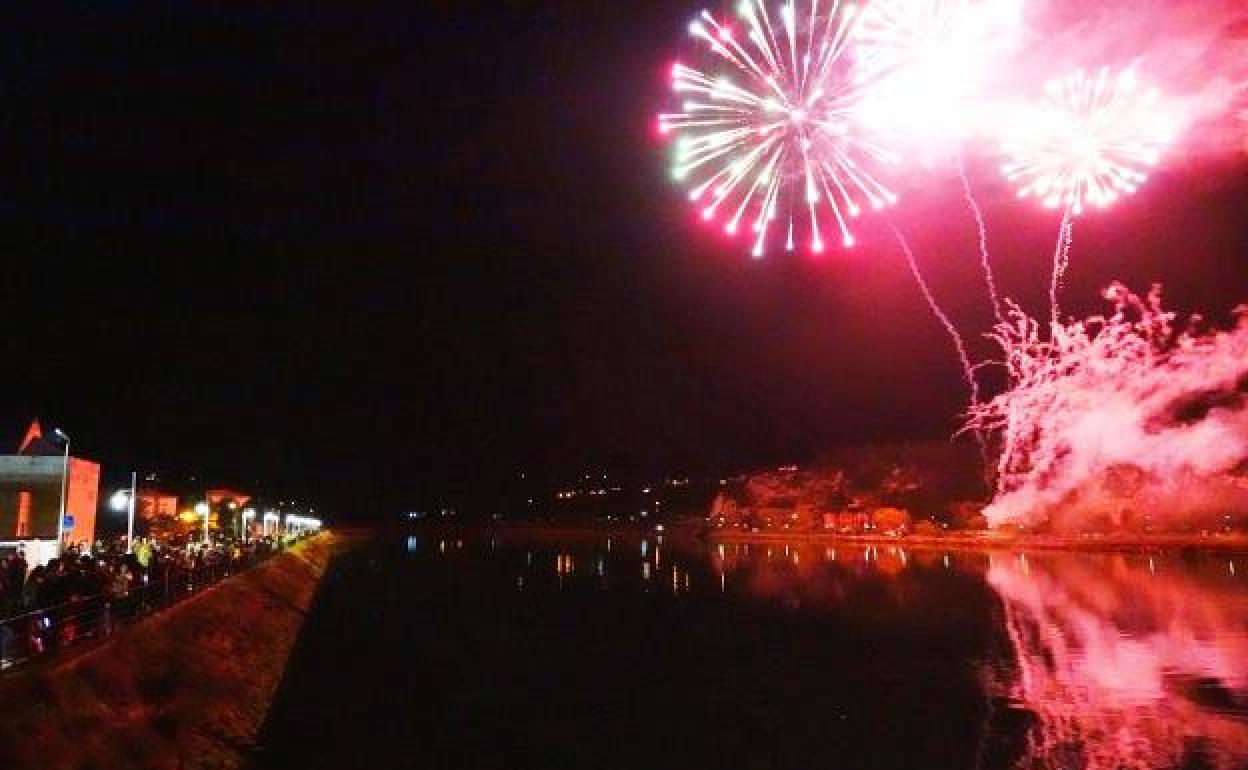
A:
x: 894, y: 34
x: 925, y: 63
x: 1090, y: 143
x: 766, y: 135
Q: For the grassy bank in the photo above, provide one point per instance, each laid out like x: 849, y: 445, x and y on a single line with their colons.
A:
x: 188, y: 688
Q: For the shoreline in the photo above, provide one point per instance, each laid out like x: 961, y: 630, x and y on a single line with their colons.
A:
x: 962, y: 541
x: 993, y: 541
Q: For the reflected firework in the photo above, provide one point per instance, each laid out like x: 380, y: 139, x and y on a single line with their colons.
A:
x: 1126, y: 666
x: 766, y: 135
x: 1089, y: 143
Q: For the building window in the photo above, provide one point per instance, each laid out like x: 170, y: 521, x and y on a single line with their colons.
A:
x: 23, y: 514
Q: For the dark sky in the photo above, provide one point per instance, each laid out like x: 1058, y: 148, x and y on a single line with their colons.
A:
x: 373, y: 253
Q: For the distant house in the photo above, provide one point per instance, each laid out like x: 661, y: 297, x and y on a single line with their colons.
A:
x: 847, y: 521
x: 31, y: 487
x: 228, y: 497
x: 153, y: 503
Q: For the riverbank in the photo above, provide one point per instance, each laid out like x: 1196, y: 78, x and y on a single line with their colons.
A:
x: 952, y: 541
x: 995, y: 540
x: 187, y: 688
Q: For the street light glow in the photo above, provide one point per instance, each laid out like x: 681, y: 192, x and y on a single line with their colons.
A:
x: 302, y: 523
x: 120, y: 500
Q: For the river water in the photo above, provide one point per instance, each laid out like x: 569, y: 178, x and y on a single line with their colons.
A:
x: 509, y: 651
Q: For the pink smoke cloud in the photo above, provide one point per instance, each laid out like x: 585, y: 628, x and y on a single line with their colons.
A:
x: 1122, y: 418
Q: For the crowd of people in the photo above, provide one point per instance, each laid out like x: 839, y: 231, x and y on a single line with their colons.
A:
x: 86, y: 592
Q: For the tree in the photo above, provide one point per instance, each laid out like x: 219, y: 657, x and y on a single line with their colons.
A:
x: 967, y: 515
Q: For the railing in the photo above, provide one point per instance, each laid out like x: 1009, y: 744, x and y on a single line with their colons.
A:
x: 43, y: 632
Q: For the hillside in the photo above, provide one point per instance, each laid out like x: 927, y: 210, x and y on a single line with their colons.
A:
x: 878, y: 487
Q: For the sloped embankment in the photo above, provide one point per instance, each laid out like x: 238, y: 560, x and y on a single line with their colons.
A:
x: 188, y: 688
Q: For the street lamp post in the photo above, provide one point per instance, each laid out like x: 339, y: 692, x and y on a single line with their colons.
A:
x: 122, y: 500
x: 203, y: 509
x: 60, y: 521
x: 134, y: 494
x: 248, y: 513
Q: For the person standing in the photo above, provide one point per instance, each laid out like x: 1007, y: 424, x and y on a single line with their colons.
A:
x: 15, y: 577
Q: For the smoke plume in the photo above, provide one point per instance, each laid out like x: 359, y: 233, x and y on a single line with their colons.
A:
x: 1120, y: 421
x: 1196, y: 53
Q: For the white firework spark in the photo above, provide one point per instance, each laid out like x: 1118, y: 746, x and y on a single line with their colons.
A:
x: 1091, y: 143
x: 925, y: 63
x: 892, y: 34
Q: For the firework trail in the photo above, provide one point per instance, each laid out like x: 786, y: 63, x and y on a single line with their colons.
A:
x: 968, y: 369
x: 1061, y: 261
x: 923, y: 63
x: 767, y: 134
x: 984, y: 260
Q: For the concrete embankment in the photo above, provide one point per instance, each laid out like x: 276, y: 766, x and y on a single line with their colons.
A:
x: 188, y: 688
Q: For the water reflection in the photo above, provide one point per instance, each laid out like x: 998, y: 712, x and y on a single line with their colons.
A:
x: 1127, y: 665
x: 1085, y: 661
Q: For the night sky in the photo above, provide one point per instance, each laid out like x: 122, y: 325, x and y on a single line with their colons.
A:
x: 384, y: 254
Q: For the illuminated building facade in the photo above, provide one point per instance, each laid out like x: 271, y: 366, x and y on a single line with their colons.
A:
x: 30, y: 492
x: 152, y: 503
x: 228, y: 497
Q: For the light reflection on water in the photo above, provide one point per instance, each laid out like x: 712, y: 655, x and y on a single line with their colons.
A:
x: 1128, y: 665
x: 1115, y: 660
